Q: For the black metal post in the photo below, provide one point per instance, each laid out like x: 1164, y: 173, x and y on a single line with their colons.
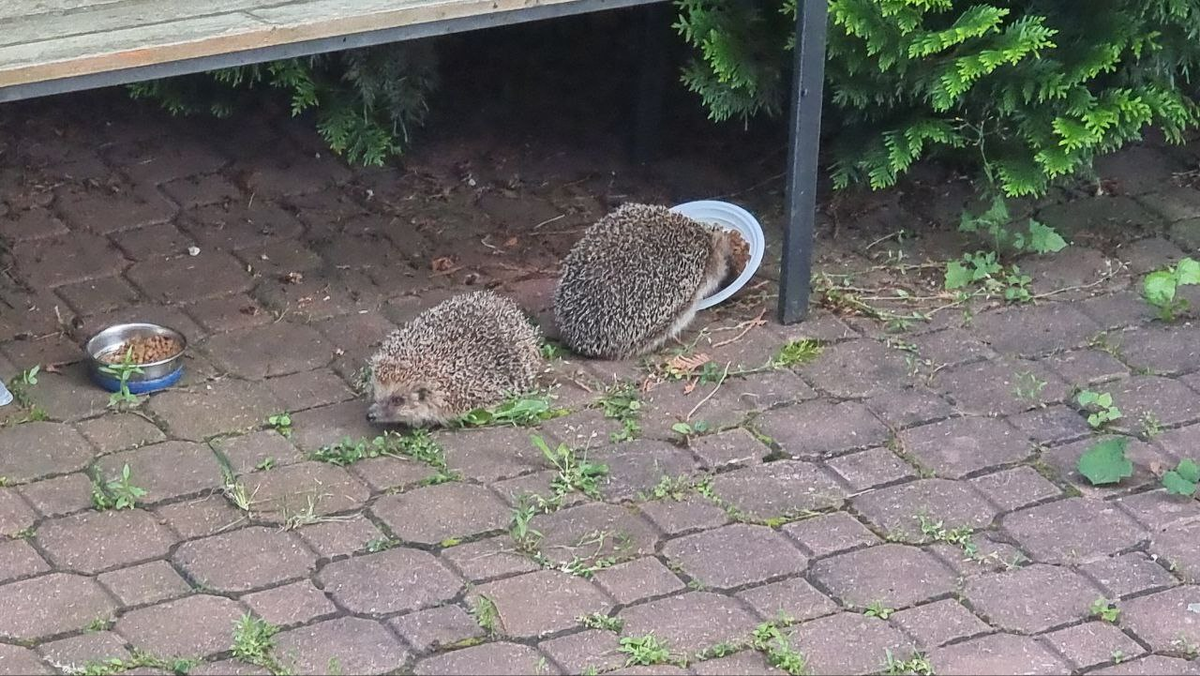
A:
x: 651, y: 81
x: 804, y: 138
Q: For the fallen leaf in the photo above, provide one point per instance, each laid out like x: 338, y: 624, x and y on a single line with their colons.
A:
x: 442, y: 264
x: 683, y: 364
x: 293, y: 278
x: 690, y: 386
x: 510, y: 242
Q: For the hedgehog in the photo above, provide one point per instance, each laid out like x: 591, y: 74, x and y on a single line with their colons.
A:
x: 468, y: 352
x: 635, y: 278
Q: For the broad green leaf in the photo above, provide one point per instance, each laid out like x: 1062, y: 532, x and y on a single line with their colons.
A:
x: 957, y: 275
x: 1044, y: 239
x: 1177, y: 485
x: 1159, y: 288
x: 1187, y: 272
x: 1087, y: 398
x: 1189, y: 470
x: 682, y: 428
x: 1105, y: 462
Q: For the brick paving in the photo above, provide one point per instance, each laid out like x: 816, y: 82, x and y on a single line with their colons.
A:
x: 909, y: 494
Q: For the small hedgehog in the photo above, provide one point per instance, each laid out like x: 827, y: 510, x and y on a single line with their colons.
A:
x: 633, y: 281
x: 468, y: 352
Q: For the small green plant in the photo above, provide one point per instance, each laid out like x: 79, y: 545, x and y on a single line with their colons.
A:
x: 602, y: 622
x: 1184, y: 479
x: 551, y: 350
x: 282, y: 423
x: 1105, y: 462
x: 253, y: 642
x: 99, y: 624
x: 29, y: 376
x: 1160, y: 288
x: 798, y: 352
x: 122, y: 371
x: 1105, y: 610
x: 137, y: 659
x: 644, y: 650
x: 622, y: 404
x: 769, y: 639
x: 417, y: 445
x: 380, y: 544
x: 877, y: 609
x: 1151, y: 425
x: 983, y: 271
x: 689, y: 430
x: 118, y: 493
x: 265, y: 464
x: 1029, y: 387
x: 487, y: 616
x: 524, y: 535
x: 575, y: 473
x: 516, y: 412
x: 995, y: 225
x: 916, y: 665
x: 1099, y: 407
x: 669, y: 488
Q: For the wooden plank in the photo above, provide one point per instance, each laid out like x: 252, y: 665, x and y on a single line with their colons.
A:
x: 108, y: 17
x: 20, y: 8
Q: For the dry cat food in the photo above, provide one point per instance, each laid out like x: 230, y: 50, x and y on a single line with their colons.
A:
x: 741, y: 253
x: 145, y: 350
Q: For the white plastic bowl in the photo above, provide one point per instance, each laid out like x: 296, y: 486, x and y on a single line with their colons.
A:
x: 729, y: 217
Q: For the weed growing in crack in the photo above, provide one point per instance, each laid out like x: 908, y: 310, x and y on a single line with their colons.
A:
x: 770, y: 640
x: 916, y: 665
x: 602, y: 622
x: 281, y: 423
x: 1099, y: 407
x: 118, y: 493
x: 380, y: 544
x: 877, y: 609
x: 621, y: 403
x: 523, y: 535
x: 123, y: 399
x: 486, y: 615
x: 1029, y: 387
x: 959, y: 537
x: 798, y: 353
x: 416, y: 445
x: 254, y: 641
x: 575, y: 473
x: 644, y: 650
x: 1105, y: 610
x: 527, y: 411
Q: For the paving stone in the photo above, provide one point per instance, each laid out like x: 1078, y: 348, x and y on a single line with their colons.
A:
x: 1032, y: 599
x: 677, y: 517
x: 18, y: 559
x: 1083, y: 368
x: 732, y: 447
x: 1015, y: 488
x: 148, y: 583
x: 18, y: 660
x: 321, y: 294
x: 68, y: 395
x: 290, y: 604
x: 1181, y: 441
x: 895, y: 509
x: 350, y: 645
x: 1093, y: 643
x: 37, y: 449
x: 178, y: 281
x: 1118, y: 310
x: 896, y: 575
x: 339, y: 538
x: 1049, y: 532
x: 1179, y: 548
x: 326, y: 425
x: 998, y: 654
x: 66, y: 259
x: 278, y: 258
x: 1158, y: 510
x: 78, y: 651
x: 245, y: 559
x: 792, y: 598
x: 297, y: 490
x: 740, y: 397
x: 1128, y: 574
x: 778, y: 489
x: 98, y: 295
x: 51, y: 349
x: 1050, y: 425
x: 1174, y: 202
x: 120, y: 431
x: 586, y: 651
x: 277, y: 349
x: 820, y: 429
x: 655, y: 670
x: 238, y: 225
x: 957, y: 447
x: 416, y: 580
x: 35, y: 223
x: 51, y: 604
x: 492, y: 454
x: 906, y: 407
x: 247, y: 452
x: 436, y: 628
x: 1064, y: 460
x: 193, y: 191
x: 717, y: 558
x: 561, y: 599
x: 387, y: 474
x: 1151, y: 665
x: 488, y: 558
x: 624, y: 535
x: 496, y: 659
x: 858, y: 368
x: 1035, y: 330
x: 637, y: 580
x: 744, y: 662
x: 1161, y: 349
x: 200, y: 517
x: 229, y: 313
x: 1162, y: 399
x: 935, y: 624
x: 301, y: 391
x: 159, y: 242
x: 167, y: 470
x: 228, y: 406
x: 823, y: 643
x: 158, y: 160
x: 951, y: 347
x: 585, y: 429
x: 15, y: 514
x: 689, y: 622
x: 636, y: 467
x: 990, y: 388
x: 432, y: 514
x: 830, y: 533
x: 1165, y: 620
x: 870, y: 468
x: 90, y: 542
x: 227, y: 668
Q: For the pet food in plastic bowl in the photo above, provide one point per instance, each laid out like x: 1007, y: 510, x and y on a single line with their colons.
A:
x: 729, y: 217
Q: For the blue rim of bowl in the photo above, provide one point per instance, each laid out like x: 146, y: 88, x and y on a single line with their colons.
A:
x: 112, y: 384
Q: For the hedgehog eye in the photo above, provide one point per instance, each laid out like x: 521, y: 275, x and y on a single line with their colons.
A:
x: 398, y: 400
x: 422, y: 394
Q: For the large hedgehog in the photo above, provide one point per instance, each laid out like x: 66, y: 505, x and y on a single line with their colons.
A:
x: 467, y: 352
x: 633, y: 281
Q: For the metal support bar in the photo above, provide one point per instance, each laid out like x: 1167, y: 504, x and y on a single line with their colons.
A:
x: 804, y: 139
x: 651, y: 80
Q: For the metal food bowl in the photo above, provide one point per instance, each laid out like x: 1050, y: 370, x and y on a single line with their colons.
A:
x: 154, y: 376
